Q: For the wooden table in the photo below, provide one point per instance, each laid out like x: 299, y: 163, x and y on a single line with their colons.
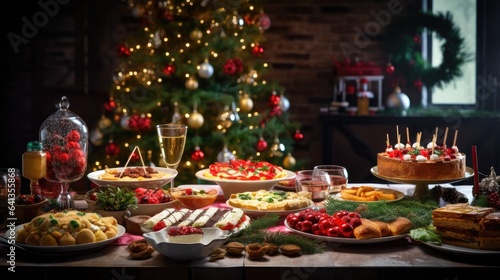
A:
x: 398, y: 259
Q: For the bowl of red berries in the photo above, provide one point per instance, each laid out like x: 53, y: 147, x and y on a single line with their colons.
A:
x: 29, y: 207
x: 152, y: 201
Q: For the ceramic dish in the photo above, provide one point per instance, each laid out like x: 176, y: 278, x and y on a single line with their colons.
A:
x: 344, y: 240
x: 145, y: 183
x: 258, y: 213
x: 191, y: 200
x: 212, y: 239
x: 461, y: 250
x: 399, y: 196
x: 68, y: 249
x: 237, y: 186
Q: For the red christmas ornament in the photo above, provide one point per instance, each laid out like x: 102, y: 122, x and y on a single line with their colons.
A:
x: 111, y: 149
x: 139, y: 123
x: 389, y: 69
x: 261, y: 144
x: 274, y: 100
x: 418, y: 84
x: 197, y: 154
x: 233, y: 66
x: 257, y: 50
x: 124, y: 51
x: 110, y: 105
x: 135, y: 157
x: 264, y: 22
x: 229, y: 67
x: 169, y: 69
x: 298, y: 136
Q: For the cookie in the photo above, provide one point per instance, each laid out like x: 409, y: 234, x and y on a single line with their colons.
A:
x: 235, y: 248
x: 290, y: 250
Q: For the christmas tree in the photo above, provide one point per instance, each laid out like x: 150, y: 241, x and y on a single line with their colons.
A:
x: 200, y: 63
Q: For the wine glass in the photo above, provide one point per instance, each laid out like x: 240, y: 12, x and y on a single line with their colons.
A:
x: 64, y: 137
x: 316, y: 182
x: 338, y: 176
x: 172, y: 139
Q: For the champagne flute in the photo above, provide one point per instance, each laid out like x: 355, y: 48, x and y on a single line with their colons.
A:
x: 338, y: 176
x: 172, y: 139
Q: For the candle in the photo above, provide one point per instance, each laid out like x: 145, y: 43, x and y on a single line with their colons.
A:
x: 475, y: 189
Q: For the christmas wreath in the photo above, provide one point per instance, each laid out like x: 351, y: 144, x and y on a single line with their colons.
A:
x: 403, y: 42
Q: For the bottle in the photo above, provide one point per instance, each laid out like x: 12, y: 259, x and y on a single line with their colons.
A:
x: 364, y: 97
x: 34, y: 165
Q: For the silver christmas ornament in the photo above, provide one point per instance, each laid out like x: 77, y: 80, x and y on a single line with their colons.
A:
x: 284, y: 103
x: 206, y: 70
x: 225, y: 155
x: 398, y: 100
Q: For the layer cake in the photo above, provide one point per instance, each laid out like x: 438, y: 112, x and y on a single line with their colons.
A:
x: 468, y: 226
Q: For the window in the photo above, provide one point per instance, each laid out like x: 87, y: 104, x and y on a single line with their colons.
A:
x: 461, y: 91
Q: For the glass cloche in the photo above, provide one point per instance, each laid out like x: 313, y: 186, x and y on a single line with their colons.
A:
x: 64, y: 136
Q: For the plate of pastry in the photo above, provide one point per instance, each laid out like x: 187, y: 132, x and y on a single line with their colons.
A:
x: 67, y: 249
x: 346, y: 240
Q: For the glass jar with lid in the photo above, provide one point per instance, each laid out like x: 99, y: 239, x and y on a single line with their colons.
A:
x: 64, y: 136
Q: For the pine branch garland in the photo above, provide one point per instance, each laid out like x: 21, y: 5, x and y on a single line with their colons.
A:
x: 417, y: 211
x: 256, y: 233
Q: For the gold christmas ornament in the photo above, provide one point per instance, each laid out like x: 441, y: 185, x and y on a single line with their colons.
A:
x: 196, y: 35
x: 289, y: 161
x: 226, y: 119
x: 195, y: 120
x: 246, y: 104
x: 104, y: 123
x: 191, y: 83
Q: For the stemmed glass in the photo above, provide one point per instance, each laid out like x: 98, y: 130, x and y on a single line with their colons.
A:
x: 314, y: 181
x: 338, y: 176
x: 172, y: 139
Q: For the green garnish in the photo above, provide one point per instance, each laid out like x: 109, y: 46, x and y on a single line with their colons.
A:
x: 426, y: 234
x: 53, y: 222
x: 74, y: 224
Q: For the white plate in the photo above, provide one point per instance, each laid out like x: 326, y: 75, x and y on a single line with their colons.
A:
x: 345, y: 240
x: 70, y: 249
x: 461, y: 250
x: 145, y: 183
x: 212, y: 239
x: 258, y: 213
x: 399, y: 196
x: 237, y: 186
